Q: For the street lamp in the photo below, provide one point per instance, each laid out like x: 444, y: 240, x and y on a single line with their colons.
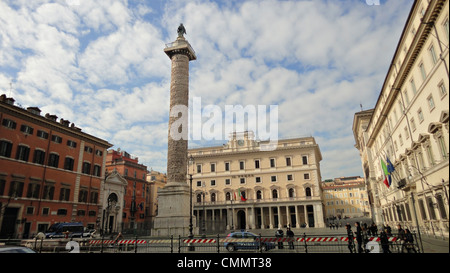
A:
x: 191, y: 235
x: 204, y: 213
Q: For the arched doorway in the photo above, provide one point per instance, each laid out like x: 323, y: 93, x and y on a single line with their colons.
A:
x: 241, y: 223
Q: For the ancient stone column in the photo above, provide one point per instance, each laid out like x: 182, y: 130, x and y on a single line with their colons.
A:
x: 173, y: 200
x: 180, y: 53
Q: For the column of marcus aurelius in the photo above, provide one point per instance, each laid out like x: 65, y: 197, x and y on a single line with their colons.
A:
x: 173, y: 199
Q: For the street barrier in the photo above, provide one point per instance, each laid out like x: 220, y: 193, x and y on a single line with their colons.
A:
x: 217, y: 244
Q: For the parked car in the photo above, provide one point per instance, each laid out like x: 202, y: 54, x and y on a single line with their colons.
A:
x: 252, y: 243
x: 15, y: 249
x: 59, y: 230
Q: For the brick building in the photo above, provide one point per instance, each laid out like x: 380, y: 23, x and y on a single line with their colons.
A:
x: 136, y: 200
x: 50, y: 171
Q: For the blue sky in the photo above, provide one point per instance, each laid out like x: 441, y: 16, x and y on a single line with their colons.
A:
x: 101, y: 65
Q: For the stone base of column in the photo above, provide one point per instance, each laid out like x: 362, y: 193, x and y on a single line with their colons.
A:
x: 173, y: 211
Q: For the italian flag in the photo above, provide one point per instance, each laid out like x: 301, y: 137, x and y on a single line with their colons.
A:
x: 242, y: 197
x: 386, y: 173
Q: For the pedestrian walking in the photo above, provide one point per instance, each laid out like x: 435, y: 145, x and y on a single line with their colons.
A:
x: 409, y: 242
x: 401, y: 237
x: 279, y: 234
x: 384, y: 240
x: 374, y: 229
x: 290, y: 235
x: 351, y: 245
x: 359, y: 238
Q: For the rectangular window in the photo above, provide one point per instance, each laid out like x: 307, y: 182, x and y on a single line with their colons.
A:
x: 256, y: 163
x: 56, y: 139
x: 420, y: 115
x: 68, y: 164
x: 64, y: 194
x: 442, y: 89
x: 227, y: 166
x: 405, y: 93
x: 33, y: 190
x: 94, y: 197
x: 290, y: 177
x: 39, y: 157
x: 22, y: 153
x: 272, y: 162
x: 258, y: 179
x: 446, y: 28
x: 199, y: 168
x: 9, y: 123
x: 273, y: 178
x: 442, y: 147
x: 242, y: 180
x: 49, y: 190
x: 430, y: 102
x: 227, y: 181
x: 213, y: 167
x: 306, y: 176
x: 53, y: 160
x: 413, y: 124
x: 413, y: 86
x: 5, y: 148
x: 71, y: 143
x: 97, y: 170
x: 87, y: 168
x: 26, y: 129
x: 16, y: 189
x: 213, y: 182
x: 305, y: 160
x: 433, y: 54
x: 241, y: 165
x: 288, y: 161
x: 42, y: 134
x: 422, y: 71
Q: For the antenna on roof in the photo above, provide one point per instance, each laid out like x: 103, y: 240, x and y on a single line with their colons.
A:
x: 10, y: 88
x: 360, y: 105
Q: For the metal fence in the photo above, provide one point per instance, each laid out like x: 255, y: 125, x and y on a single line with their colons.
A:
x: 220, y: 244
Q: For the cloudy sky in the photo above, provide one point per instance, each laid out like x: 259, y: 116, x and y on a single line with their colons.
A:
x: 101, y: 65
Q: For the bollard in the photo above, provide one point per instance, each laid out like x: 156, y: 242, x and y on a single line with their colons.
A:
x: 218, y: 244
x: 304, y: 239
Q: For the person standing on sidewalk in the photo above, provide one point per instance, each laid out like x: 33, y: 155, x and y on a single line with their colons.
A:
x: 409, y: 242
x: 351, y: 243
x: 359, y: 238
x: 384, y: 241
x: 290, y: 235
x: 401, y: 237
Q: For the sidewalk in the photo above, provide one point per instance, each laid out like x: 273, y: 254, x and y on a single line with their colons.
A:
x: 435, y: 245
x: 430, y: 244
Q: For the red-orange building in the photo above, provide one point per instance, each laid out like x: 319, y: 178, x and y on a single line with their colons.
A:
x: 50, y: 172
x: 136, y: 214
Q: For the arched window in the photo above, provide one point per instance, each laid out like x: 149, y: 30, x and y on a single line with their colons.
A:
x: 308, y: 191
x: 213, y: 197
x: 258, y: 195
x: 274, y: 194
x: 228, y: 196
x: 199, y: 198
x: 291, y: 192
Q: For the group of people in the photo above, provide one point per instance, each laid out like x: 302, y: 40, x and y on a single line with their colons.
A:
x: 405, y: 237
x: 289, y: 233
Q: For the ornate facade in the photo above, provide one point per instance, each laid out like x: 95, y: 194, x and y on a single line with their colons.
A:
x: 240, y: 186
x: 409, y: 126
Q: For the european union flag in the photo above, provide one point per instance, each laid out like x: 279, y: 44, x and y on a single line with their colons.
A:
x: 390, y: 169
